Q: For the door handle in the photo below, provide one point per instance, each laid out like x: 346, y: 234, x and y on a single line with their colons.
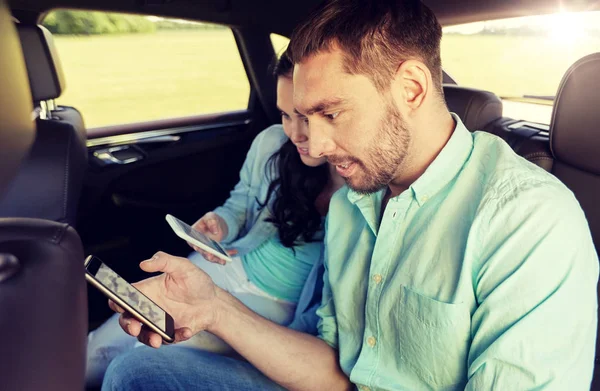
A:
x: 110, y: 155
x: 158, y: 139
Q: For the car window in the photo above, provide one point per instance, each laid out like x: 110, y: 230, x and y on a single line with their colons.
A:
x: 129, y: 68
x: 280, y: 43
x: 520, y: 59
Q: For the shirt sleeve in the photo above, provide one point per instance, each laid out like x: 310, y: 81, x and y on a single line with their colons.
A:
x: 327, y: 324
x: 234, y: 210
x: 535, y: 283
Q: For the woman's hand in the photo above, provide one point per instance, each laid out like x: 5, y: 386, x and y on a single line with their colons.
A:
x: 213, y: 226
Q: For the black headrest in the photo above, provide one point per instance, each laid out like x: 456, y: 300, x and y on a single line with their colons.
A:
x: 57, y: 164
x: 43, y: 66
x: 476, y: 108
x: 17, y: 128
x: 575, y: 125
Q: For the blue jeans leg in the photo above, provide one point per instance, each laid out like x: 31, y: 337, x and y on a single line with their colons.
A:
x: 179, y: 368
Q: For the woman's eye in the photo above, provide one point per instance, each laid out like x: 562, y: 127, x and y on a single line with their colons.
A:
x: 284, y: 115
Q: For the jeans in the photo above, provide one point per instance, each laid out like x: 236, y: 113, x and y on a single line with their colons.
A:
x: 175, y: 367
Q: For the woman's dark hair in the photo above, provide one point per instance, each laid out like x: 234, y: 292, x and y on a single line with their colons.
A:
x: 283, y: 66
x: 295, y: 186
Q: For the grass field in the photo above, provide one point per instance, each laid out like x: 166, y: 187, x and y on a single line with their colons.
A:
x: 131, y: 78
x: 512, y: 66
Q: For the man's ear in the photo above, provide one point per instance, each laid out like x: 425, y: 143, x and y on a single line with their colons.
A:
x: 411, y: 84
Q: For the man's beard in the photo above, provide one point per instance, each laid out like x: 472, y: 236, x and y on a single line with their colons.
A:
x: 386, y: 154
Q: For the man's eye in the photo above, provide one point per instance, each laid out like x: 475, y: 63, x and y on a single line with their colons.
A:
x: 284, y: 115
x: 305, y: 120
x: 332, y: 116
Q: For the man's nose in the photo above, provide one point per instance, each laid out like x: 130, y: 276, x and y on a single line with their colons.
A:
x: 320, y: 142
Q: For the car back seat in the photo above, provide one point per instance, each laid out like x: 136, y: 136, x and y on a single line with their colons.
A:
x: 43, y: 307
x: 17, y: 130
x: 482, y: 110
x: 49, y: 182
x: 476, y: 108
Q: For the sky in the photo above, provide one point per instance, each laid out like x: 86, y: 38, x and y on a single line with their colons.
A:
x: 572, y: 24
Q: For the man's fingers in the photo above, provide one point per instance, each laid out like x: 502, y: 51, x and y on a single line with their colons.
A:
x: 149, y: 338
x: 143, y: 338
x: 232, y: 251
x: 165, y: 263
x: 113, y: 306
x: 130, y: 325
x: 155, y: 340
x: 183, y: 334
x: 152, y: 339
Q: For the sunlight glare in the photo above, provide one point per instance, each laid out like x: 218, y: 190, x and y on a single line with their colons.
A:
x: 565, y: 27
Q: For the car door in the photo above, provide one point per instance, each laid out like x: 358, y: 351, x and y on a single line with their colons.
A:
x: 171, y: 113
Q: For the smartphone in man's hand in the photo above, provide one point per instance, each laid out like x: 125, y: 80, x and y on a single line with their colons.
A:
x: 129, y: 298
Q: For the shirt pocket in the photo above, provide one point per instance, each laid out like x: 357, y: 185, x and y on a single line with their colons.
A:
x: 433, y: 339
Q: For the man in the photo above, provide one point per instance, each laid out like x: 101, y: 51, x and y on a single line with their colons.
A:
x: 451, y: 262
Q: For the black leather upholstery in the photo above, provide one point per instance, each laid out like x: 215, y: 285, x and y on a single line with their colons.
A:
x: 476, y: 108
x: 49, y: 183
x: 43, y: 65
x: 575, y: 144
x: 17, y: 129
x: 479, y: 110
x: 575, y: 126
x: 43, y: 306
x: 536, y: 151
x: 575, y: 136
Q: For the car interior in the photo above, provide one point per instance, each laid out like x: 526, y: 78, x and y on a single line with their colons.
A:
x: 67, y: 191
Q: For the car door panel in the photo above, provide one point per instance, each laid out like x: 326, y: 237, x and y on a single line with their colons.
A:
x: 185, y: 171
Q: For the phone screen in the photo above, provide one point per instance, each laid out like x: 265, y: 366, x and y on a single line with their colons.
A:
x: 112, y: 281
x: 200, y: 237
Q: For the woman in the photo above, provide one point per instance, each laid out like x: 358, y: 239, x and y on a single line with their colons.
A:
x: 272, y: 222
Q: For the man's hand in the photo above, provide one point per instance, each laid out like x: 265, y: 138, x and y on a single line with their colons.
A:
x: 213, y: 226
x: 183, y: 290
x: 295, y: 360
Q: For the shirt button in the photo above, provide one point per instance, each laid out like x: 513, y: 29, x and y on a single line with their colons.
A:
x: 377, y: 278
x: 424, y: 199
x: 364, y: 388
x: 371, y: 341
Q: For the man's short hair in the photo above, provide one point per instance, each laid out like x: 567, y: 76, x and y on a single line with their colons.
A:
x: 375, y: 35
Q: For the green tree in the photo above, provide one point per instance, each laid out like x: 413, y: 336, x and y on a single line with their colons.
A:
x: 88, y: 22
